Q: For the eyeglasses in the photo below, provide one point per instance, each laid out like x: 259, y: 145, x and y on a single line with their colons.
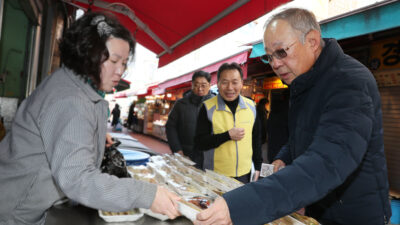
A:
x: 278, y: 54
x: 201, y: 85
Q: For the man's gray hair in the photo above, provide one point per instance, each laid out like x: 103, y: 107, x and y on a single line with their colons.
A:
x: 299, y: 19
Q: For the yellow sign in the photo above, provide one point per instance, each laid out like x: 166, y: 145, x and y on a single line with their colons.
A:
x: 273, y: 83
x: 385, y: 54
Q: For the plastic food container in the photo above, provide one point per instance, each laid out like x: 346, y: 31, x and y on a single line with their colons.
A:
x: 188, y: 210
x: 287, y: 220
x: 132, y: 215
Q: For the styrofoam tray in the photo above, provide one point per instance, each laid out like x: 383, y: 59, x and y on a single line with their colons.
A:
x: 121, y: 218
x: 287, y: 220
x: 185, y: 160
x: 295, y: 221
x: 187, y: 211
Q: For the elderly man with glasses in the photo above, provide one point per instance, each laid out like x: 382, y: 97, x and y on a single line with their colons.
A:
x: 182, y: 119
x: 334, y: 163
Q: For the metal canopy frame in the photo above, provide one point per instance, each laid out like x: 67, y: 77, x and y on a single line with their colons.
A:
x: 126, y: 10
x: 213, y: 20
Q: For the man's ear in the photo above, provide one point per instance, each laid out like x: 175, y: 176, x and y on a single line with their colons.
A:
x: 313, y: 39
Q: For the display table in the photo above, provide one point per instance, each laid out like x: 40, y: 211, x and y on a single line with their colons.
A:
x: 66, y: 214
x: 138, y: 127
x: 159, y: 131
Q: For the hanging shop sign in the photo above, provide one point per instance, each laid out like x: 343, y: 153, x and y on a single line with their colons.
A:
x: 385, y: 54
x: 258, y: 96
x: 385, y: 61
x: 273, y: 83
x: 387, y: 78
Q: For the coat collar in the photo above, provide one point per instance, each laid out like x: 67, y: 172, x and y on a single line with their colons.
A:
x: 223, y: 107
x: 81, y: 84
x: 327, y: 57
x: 195, y: 99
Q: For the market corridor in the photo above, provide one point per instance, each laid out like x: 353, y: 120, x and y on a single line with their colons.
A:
x: 151, y: 142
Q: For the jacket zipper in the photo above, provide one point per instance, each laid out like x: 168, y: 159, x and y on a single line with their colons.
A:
x: 237, y: 149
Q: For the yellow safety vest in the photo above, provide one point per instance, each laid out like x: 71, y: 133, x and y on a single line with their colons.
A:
x: 232, y: 158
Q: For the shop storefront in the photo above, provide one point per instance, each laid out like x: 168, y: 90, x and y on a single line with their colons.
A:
x: 139, y: 111
x: 385, y: 65
x: 157, y: 109
x: 160, y: 100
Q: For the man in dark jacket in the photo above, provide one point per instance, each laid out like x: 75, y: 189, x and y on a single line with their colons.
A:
x: 334, y: 161
x: 182, y: 119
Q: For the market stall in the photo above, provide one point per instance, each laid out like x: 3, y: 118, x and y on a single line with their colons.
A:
x: 67, y: 214
x: 139, y: 112
x: 156, y: 111
x: 151, y: 117
x: 160, y: 118
x: 197, y: 188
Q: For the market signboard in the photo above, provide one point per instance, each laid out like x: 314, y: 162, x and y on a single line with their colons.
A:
x: 273, y: 83
x: 387, y: 78
x: 385, y: 54
x: 385, y: 61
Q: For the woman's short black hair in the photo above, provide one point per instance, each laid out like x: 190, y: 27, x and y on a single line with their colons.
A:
x: 83, y: 45
x: 227, y: 66
x: 201, y: 73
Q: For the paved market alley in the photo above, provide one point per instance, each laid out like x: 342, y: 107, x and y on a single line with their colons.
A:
x: 149, y: 141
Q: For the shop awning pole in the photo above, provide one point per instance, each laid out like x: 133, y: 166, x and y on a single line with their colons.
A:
x: 215, y: 19
x: 124, y: 9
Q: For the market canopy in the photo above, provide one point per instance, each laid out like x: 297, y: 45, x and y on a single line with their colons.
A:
x: 182, y: 80
x: 239, y: 58
x: 172, y: 29
x: 378, y: 17
x: 122, y: 85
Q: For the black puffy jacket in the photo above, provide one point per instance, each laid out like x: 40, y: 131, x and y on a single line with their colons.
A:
x: 181, y: 125
x: 335, y: 157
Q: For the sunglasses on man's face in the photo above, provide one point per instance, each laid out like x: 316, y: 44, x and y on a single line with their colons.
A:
x: 278, y: 54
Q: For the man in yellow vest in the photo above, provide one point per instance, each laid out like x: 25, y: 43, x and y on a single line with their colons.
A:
x: 228, y: 129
